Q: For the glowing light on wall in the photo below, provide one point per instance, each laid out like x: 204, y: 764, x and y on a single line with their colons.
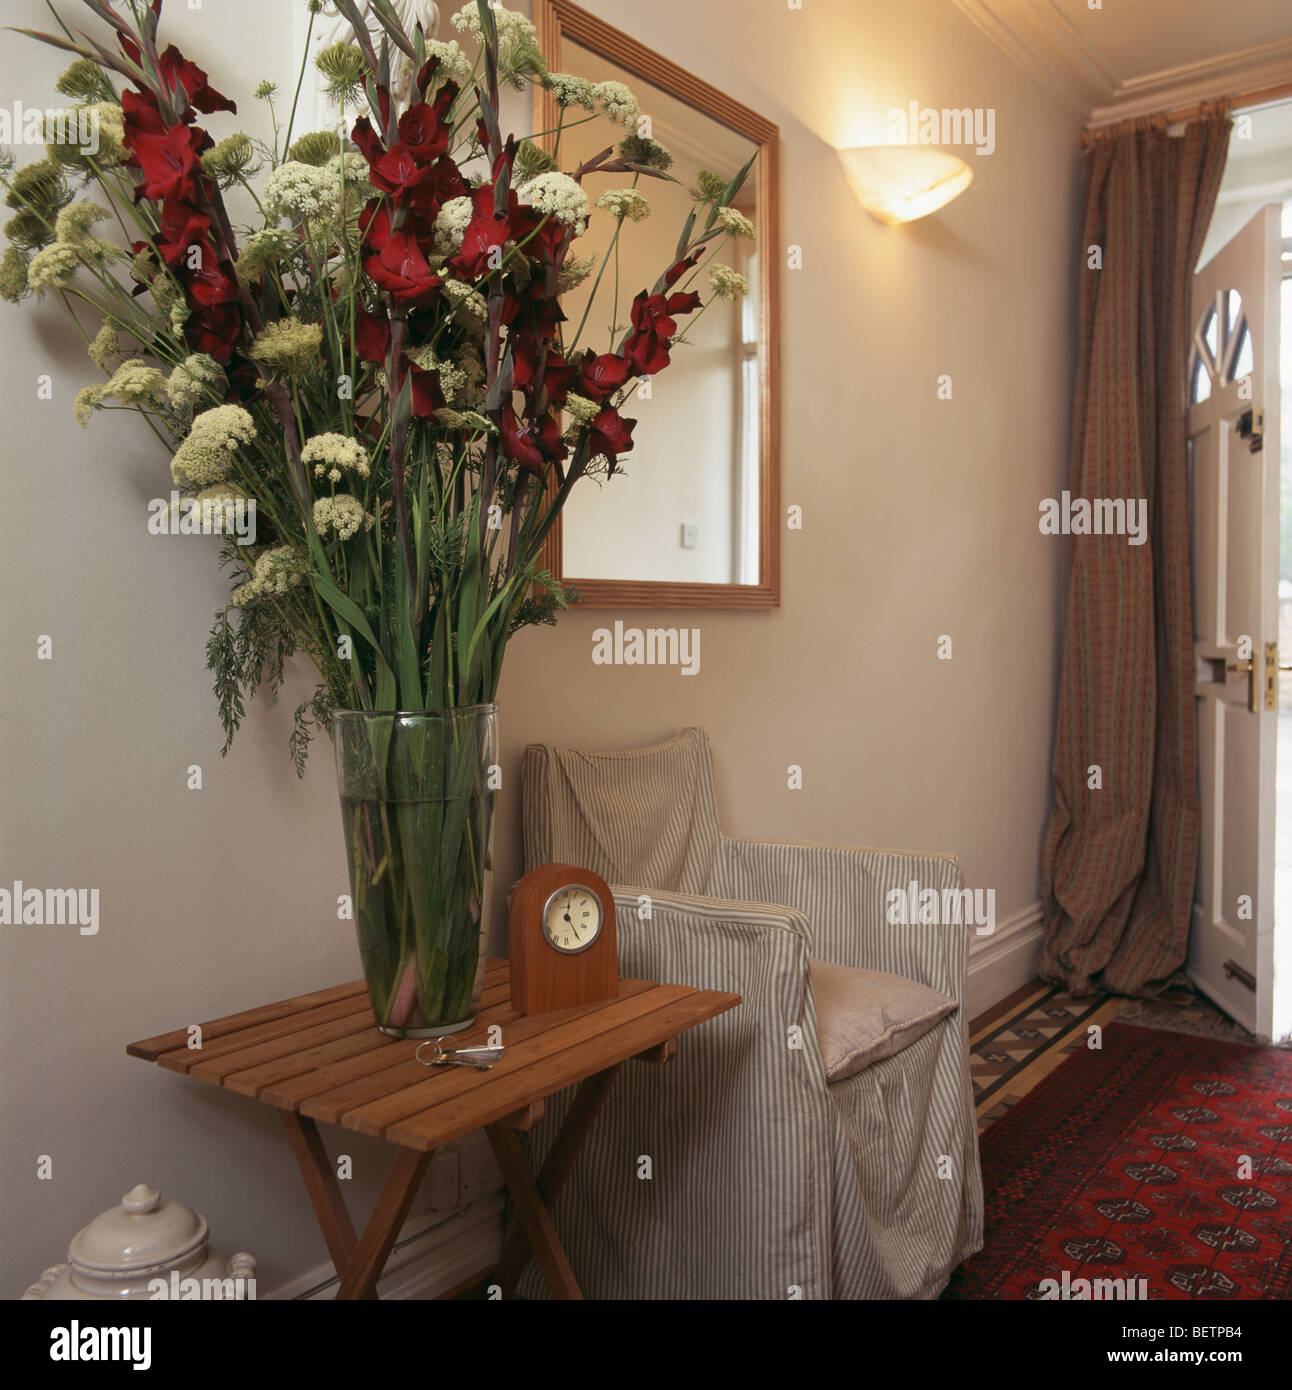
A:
x: 898, y: 183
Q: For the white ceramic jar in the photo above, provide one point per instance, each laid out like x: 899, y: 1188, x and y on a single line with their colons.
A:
x: 146, y: 1248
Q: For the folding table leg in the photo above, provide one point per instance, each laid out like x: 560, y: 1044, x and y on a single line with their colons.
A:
x: 560, y: 1160
x: 358, y: 1261
x: 532, y: 1214
x: 321, y: 1184
x: 359, y: 1280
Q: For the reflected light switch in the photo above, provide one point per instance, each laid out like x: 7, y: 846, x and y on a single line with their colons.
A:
x: 690, y: 535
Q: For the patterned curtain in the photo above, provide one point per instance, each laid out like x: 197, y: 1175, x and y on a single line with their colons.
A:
x: 1120, y: 851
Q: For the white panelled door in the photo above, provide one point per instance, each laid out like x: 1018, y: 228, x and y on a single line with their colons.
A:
x: 1234, y: 482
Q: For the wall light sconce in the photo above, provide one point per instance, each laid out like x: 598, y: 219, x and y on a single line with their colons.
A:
x: 898, y: 183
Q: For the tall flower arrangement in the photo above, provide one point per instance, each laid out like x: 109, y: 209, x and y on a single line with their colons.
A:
x: 380, y: 360
x: 381, y: 364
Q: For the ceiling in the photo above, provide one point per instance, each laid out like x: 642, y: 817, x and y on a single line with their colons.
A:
x: 1130, y: 59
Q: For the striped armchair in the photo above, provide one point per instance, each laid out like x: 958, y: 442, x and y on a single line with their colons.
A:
x: 766, y: 1181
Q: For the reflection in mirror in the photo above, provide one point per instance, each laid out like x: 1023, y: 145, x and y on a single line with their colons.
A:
x: 692, y: 520
x: 685, y: 506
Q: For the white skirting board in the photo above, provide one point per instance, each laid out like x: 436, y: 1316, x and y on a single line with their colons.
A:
x: 434, y: 1253
x: 1004, y: 961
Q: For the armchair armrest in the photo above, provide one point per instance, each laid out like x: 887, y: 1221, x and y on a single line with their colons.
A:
x: 757, y: 950
x: 845, y: 894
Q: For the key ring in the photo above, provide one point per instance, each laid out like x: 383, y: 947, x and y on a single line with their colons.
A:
x: 481, y: 1058
x: 436, y: 1061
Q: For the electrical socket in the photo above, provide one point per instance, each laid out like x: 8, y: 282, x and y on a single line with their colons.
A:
x: 441, y: 1188
x: 478, y: 1171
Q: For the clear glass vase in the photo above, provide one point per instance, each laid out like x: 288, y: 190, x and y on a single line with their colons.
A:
x: 417, y: 795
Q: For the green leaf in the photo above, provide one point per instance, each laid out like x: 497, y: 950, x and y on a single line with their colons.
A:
x: 687, y: 228
x: 389, y: 21
x: 469, y: 599
x: 346, y: 608
x: 731, y: 190
x: 410, y: 676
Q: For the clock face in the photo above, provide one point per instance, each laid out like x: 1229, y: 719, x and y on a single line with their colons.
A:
x: 572, y: 919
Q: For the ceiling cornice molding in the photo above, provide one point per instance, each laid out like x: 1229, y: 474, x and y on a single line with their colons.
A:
x: 1047, y: 48
x: 1273, y: 191
x: 1231, y: 74
x: 1073, y: 72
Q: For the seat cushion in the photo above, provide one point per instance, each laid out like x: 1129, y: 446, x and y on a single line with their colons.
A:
x: 864, y: 1015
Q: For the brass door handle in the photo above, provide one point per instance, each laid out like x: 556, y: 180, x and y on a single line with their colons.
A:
x: 1262, y: 679
x: 1248, y: 669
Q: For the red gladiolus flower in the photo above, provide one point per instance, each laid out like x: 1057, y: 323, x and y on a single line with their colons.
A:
x: 397, y: 171
x: 396, y: 262
x: 418, y: 158
x: 611, y: 434
x: 519, y: 445
x: 530, y: 446
x: 170, y: 163
x: 654, y: 328
x: 141, y: 115
x: 525, y: 349
x: 178, y: 72
x: 371, y: 336
x: 556, y: 379
x: 424, y: 78
x: 401, y: 270
x: 550, y: 443
x: 209, y: 285
x: 680, y: 269
x: 215, y: 331
x: 484, y: 232
x: 427, y: 395
x: 243, y: 375
x: 183, y: 226
x: 646, y: 353
x: 600, y: 377
x: 528, y: 370
x: 444, y: 181
x: 422, y: 128
x: 368, y: 141
x: 535, y: 310
x: 652, y: 313
x: 369, y: 215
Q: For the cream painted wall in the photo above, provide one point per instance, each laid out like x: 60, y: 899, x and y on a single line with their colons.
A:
x: 919, y: 520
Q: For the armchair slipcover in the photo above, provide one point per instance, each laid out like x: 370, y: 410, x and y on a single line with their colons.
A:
x: 765, y: 1180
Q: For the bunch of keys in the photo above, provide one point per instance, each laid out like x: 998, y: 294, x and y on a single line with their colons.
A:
x: 481, y: 1058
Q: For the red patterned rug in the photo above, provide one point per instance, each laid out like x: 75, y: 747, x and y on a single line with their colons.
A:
x: 1162, y: 1161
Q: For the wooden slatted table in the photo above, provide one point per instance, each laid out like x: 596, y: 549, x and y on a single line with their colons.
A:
x: 320, y: 1056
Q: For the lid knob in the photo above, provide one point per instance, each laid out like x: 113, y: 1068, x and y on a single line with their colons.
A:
x: 145, y: 1230
x: 141, y: 1199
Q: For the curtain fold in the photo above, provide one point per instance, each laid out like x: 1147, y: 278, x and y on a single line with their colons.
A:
x: 1119, y: 855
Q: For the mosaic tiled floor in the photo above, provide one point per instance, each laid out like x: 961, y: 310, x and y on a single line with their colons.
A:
x: 1016, y: 1045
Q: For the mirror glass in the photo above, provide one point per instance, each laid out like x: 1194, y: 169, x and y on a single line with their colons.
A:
x: 686, y: 506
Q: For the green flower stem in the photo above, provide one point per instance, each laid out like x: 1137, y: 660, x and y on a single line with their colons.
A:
x: 596, y: 285
x: 305, y: 57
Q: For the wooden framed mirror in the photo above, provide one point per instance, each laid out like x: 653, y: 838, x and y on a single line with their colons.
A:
x: 694, y: 522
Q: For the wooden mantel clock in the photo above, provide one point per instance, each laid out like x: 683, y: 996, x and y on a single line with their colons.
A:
x: 561, y: 938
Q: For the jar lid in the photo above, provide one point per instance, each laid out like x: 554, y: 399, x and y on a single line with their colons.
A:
x: 142, y: 1232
